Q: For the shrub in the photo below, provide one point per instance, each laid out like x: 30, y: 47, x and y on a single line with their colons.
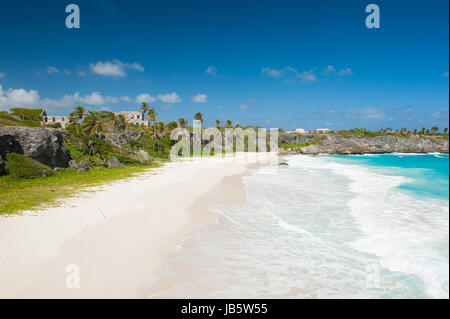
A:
x: 20, y: 166
x: 28, y: 114
x: 54, y: 125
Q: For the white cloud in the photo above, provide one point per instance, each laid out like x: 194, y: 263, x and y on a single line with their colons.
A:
x: 344, y: 72
x: 18, y: 97
x: 24, y: 98
x: 67, y: 72
x: 82, y: 73
x: 328, y: 70
x: 290, y: 74
x: 51, y: 70
x: 169, y: 98
x: 369, y: 113
x: 200, y: 98
x: 212, y: 70
x: 2, y: 75
x: 220, y: 107
x: 243, y: 107
x: 444, y: 115
x: 144, y: 97
x: 273, y: 73
x: 114, y: 68
x: 308, y: 77
x: 95, y: 98
x: 125, y: 98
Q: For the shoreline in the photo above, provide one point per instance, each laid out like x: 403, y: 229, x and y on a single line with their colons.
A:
x: 361, y: 154
x: 120, y: 244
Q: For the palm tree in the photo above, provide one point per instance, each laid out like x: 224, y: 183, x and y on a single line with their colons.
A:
x: 162, y: 130
x: 182, y: 121
x: 218, y: 124
x: 445, y: 130
x: 93, y: 126
x: 199, y: 117
x: 172, y: 125
x: 434, y: 129
x: 78, y: 114
x: 229, y: 124
x: 144, y: 109
x: 120, y: 124
x: 415, y: 131
x: 152, y: 117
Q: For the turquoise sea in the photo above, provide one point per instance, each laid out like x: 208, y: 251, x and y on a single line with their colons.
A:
x: 372, y: 226
x: 428, y: 174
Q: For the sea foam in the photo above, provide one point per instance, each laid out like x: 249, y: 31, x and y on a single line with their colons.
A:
x: 317, y: 228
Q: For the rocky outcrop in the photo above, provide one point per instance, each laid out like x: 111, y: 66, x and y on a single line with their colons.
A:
x: 44, y: 145
x: 79, y: 166
x: 123, y: 138
x: 359, y: 144
x: 114, y: 162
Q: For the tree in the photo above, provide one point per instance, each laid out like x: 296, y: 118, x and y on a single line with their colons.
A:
x: 218, y: 124
x: 152, y: 117
x: 229, y: 124
x: 172, y: 125
x: 120, y: 124
x: 415, y: 131
x: 199, y: 117
x: 78, y: 114
x: 435, y: 129
x: 182, y: 121
x: 162, y: 130
x: 445, y: 130
x: 144, y: 109
x: 93, y: 126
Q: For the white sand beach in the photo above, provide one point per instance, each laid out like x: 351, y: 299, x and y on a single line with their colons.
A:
x: 120, y: 235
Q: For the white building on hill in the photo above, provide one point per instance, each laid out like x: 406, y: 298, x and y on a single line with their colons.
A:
x: 134, y: 117
x: 50, y: 119
x: 298, y: 131
x: 323, y: 130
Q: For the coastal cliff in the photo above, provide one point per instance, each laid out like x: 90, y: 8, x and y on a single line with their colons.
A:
x: 359, y: 144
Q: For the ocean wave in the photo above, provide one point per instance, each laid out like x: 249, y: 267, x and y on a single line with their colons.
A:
x: 312, y: 230
x: 399, y: 228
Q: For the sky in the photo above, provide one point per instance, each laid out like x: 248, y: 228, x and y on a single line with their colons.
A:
x: 284, y: 64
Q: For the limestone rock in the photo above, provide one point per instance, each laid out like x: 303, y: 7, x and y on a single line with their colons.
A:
x: 114, y: 162
x: 44, y: 145
x: 359, y: 144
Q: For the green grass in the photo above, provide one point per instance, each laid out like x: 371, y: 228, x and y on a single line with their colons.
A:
x: 7, y: 119
x: 20, y: 166
x: 17, y: 194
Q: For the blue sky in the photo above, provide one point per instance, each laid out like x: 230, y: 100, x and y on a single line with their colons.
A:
x: 289, y: 64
